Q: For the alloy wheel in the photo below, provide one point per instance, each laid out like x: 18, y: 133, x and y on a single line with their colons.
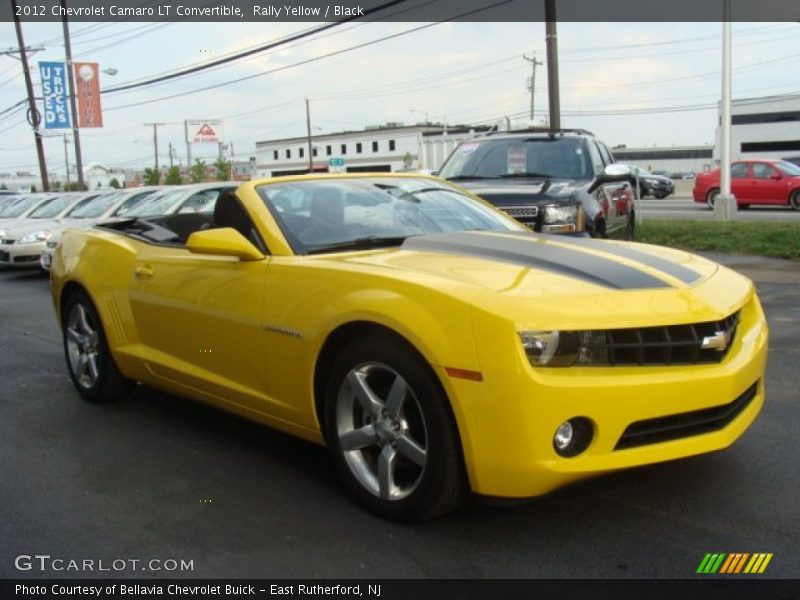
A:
x: 83, y: 347
x: 381, y: 430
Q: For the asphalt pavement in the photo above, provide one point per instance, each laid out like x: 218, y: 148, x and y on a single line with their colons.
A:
x: 684, y: 208
x: 158, y: 477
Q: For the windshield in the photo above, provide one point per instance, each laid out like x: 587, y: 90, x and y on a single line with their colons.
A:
x: 132, y: 201
x: 558, y: 157
x: 19, y: 206
x: 53, y: 208
x: 343, y: 214
x: 789, y: 168
x: 87, y: 207
x: 157, y: 204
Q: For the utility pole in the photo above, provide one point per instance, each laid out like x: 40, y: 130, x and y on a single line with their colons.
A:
x: 534, y: 64
x: 725, y: 206
x: 308, y: 128
x: 170, y: 155
x: 155, y: 140
x: 33, y: 115
x: 66, y: 158
x: 552, y: 63
x: 72, y: 107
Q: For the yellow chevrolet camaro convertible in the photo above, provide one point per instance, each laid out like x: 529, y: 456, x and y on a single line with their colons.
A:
x: 433, y: 344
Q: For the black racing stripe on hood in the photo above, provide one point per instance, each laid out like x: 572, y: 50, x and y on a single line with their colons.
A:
x: 531, y: 252
x: 676, y: 270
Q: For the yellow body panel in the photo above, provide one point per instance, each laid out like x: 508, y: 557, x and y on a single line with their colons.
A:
x: 246, y: 336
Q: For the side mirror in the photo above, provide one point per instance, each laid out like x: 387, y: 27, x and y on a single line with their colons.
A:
x: 610, y: 174
x: 225, y: 241
x: 775, y: 176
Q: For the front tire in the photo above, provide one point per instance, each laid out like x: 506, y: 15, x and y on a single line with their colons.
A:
x: 794, y: 200
x: 89, y: 360
x: 390, y: 431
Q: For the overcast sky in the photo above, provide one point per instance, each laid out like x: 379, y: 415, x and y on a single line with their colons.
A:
x: 458, y: 72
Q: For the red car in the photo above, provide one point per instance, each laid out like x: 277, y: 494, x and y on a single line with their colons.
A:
x: 760, y: 181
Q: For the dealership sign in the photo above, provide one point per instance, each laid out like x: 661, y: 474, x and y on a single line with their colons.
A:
x: 54, y: 95
x: 87, y: 94
x: 199, y: 132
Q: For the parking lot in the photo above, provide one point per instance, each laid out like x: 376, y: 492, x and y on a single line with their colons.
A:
x: 157, y: 477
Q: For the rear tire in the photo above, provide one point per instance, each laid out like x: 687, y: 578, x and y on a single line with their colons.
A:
x: 390, y: 432
x: 711, y: 198
x: 89, y: 360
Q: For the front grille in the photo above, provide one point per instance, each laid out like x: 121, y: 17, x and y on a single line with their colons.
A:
x: 669, y: 345
x: 4, y: 256
x: 522, y: 212
x: 7, y: 242
x: 27, y: 259
x: 673, y: 427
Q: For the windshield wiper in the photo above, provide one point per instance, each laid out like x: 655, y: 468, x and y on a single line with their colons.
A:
x: 463, y: 177
x: 364, y: 243
x: 538, y: 175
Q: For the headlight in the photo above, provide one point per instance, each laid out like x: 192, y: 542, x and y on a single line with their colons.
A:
x: 563, y: 219
x: 565, y: 348
x: 36, y: 236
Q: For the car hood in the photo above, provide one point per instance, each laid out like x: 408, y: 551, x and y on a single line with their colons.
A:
x: 513, y: 192
x: 19, y: 228
x: 538, y: 280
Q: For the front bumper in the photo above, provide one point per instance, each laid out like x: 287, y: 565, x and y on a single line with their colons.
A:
x: 508, y: 420
x: 21, y: 255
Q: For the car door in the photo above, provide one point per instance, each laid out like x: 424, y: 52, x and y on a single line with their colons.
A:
x: 740, y: 182
x: 616, y: 197
x: 767, y: 185
x: 199, y: 318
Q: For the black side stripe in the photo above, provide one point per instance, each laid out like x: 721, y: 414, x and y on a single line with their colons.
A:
x: 676, y: 270
x: 527, y: 252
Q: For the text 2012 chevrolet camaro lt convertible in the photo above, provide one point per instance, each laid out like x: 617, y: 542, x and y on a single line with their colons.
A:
x: 431, y: 342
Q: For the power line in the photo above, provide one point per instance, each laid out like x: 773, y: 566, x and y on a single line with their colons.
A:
x: 262, y: 48
x: 309, y: 60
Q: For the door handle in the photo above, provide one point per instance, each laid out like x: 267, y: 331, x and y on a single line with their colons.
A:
x: 143, y: 272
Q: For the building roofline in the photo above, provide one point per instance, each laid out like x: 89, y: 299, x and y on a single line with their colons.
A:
x: 424, y: 128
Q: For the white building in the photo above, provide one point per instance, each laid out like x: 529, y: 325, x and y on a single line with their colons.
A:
x: 389, y: 148
x: 766, y: 127
x: 98, y: 177
x: 20, y: 181
x: 672, y: 159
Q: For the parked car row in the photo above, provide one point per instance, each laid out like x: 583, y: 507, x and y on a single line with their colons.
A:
x: 761, y: 182
x: 31, y: 225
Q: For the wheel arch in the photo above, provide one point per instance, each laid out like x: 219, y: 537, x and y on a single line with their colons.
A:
x: 343, y: 335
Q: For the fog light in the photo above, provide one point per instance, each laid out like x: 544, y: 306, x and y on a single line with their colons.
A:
x: 563, y: 437
x: 573, y: 436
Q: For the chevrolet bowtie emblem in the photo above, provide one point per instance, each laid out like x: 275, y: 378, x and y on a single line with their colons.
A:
x: 719, y: 341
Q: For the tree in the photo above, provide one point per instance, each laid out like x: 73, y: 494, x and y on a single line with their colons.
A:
x: 151, y: 176
x: 223, y: 168
x: 198, y: 171
x: 173, y: 176
x: 114, y: 183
